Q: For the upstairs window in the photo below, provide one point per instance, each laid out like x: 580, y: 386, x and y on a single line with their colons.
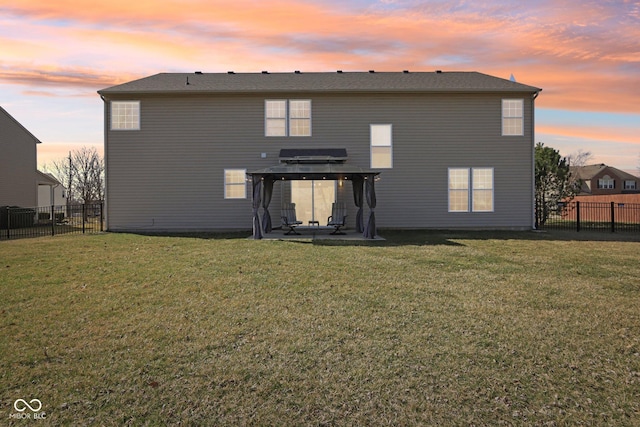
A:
x: 287, y: 117
x: 630, y: 185
x: 125, y: 115
x: 512, y: 117
x: 606, y: 183
x: 381, y: 147
x: 299, y: 118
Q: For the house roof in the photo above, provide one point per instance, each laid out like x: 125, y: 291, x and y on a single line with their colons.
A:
x: 36, y: 140
x: 265, y: 82
x: 590, y: 171
x: 47, y: 179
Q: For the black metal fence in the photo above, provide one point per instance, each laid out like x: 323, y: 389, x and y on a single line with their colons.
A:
x: 596, y: 216
x: 18, y: 222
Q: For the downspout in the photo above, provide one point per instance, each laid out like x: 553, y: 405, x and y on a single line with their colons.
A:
x: 533, y: 157
x: 106, y: 166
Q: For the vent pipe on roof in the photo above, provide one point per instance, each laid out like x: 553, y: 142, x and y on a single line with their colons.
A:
x: 438, y: 71
x: 372, y: 71
x: 231, y: 72
x: 339, y: 71
x: 297, y: 71
x: 405, y: 71
x: 265, y: 72
x: 198, y: 72
x: 188, y: 81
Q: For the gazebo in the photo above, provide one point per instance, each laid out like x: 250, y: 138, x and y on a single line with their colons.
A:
x: 314, y: 164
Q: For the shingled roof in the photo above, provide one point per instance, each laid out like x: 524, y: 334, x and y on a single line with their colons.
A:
x: 319, y: 82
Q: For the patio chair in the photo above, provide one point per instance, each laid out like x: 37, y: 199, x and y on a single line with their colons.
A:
x: 338, y: 218
x: 288, y: 215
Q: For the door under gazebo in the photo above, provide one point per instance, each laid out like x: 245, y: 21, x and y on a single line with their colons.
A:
x: 311, y: 171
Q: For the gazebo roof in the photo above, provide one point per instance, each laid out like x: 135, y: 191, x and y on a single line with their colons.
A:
x: 317, y: 164
x: 317, y: 171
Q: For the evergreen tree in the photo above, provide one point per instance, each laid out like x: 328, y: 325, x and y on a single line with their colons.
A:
x: 553, y: 182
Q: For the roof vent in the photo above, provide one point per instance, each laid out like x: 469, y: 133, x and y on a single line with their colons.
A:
x: 198, y: 72
x: 405, y: 71
x: 372, y: 71
x: 231, y: 72
x: 265, y: 72
x: 297, y: 71
x: 438, y: 71
x: 339, y: 71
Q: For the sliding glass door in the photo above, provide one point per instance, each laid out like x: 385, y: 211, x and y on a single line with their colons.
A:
x: 313, y: 200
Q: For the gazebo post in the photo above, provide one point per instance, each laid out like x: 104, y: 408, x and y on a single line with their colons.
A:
x: 256, y: 180
x: 370, y: 191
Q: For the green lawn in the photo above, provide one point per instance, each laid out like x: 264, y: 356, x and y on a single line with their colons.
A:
x: 425, y: 328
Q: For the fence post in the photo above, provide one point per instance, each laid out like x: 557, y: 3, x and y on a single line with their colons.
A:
x: 84, y: 208
x: 578, y: 216
x: 613, y: 219
x: 53, y: 220
x: 102, y: 215
x: 8, y: 222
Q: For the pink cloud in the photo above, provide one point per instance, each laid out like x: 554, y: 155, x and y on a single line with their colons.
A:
x: 613, y: 134
x: 584, y: 55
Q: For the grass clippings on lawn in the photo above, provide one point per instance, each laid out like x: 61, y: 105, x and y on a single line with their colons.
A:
x: 425, y: 328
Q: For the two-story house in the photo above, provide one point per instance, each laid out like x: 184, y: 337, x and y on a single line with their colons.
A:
x: 601, y: 179
x: 18, y: 163
x: 448, y: 149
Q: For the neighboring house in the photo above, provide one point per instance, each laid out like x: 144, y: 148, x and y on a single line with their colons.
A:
x: 452, y: 149
x: 50, y: 191
x: 605, y: 180
x: 18, y: 163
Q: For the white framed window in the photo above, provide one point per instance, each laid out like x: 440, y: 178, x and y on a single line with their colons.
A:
x: 381, y: 146
x: 458, y: 189
x: 470, y: 189
x: 482, y: 190
x: 125, y: 115
x: 300, y: 117
x: 512, y: 117
x: 235, y: 184
x: 630, y: 185
x: 606, y: 183
x: 275, y: 117
x: 285, y: 117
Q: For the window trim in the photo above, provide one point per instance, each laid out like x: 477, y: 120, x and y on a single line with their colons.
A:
x: 506, y: 117
x: 114, y: 103
x: 390, y: 145
x: 228, y: 184
x: 288, y: 120
x: 609, y: 181
x: 471, y: 190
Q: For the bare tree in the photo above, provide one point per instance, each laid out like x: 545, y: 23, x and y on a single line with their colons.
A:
x: 579, y: 158
x: 82, y: 174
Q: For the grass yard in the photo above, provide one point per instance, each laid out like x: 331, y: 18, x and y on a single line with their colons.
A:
x: 425, y: 328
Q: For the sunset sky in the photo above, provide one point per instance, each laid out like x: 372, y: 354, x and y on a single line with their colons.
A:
x: 55, y: 55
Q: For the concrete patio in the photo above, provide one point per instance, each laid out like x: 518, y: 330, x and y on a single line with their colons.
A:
x: 318, y: 233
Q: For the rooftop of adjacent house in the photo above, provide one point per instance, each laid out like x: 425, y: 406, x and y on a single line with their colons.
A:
x: 19, y: 125
x: 372, y: 81
x: 47, y: 178
x: 590, y: 171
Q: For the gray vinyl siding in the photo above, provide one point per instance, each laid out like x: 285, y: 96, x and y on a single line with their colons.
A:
x: 17, y: 164
x: 169, y: 175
